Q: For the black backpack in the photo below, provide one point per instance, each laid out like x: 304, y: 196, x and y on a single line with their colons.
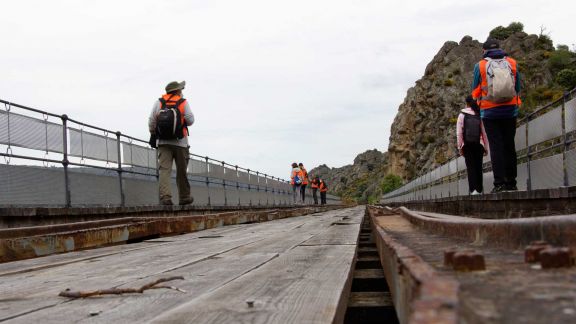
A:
x: 169, y: 120
x: 472, y: 130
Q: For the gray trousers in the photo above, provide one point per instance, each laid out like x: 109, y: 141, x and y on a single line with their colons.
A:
x: 180, y: 155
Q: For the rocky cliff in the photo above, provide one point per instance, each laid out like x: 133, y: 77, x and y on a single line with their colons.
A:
x: 423, y: 134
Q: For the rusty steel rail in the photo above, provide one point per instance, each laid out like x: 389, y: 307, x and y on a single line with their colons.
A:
x: 30, y: 242
x: 419, y: 293
x: 510, y: 233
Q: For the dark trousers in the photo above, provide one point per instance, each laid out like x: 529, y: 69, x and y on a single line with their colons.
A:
x: 501, y: 133
x: 315, y: 195
x: 473, y: 153
x: 323, y: 197
x: 303, y: 192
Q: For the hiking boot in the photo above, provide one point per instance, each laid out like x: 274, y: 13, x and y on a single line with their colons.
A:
x: 186, y: 201
x: 510, y: 188
x: 497, y: 189
x: 166, y: 202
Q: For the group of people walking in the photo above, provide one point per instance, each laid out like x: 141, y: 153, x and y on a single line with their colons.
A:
x: 488, y: 122
x: 299, y: 180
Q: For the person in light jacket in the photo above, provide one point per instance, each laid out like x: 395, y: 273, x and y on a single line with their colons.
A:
x: 472, y: 143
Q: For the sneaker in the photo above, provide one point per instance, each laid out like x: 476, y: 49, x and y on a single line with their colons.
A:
x: 497, y: 189
x: 167, y: 202
x: 474, y: 193
x: 186, y: 201
x: 510, y: 188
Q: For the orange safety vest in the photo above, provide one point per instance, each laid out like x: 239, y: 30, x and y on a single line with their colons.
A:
x: 323, y: 187
x: 315, y: 184
x: 481, y: 91
x: 305, y: 175
x: 294, y: 173
x: 175, y: 98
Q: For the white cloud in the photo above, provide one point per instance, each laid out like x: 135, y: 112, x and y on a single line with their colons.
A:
x: 270, y: 82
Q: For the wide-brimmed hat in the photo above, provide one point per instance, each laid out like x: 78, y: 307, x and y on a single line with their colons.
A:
x: 175, y: 85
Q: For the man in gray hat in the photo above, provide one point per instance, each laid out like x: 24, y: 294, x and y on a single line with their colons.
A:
x: 168, y: 123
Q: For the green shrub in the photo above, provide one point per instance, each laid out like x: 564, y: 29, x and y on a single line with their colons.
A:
x: 502, y: 33
x: 567, y: 79
x: 560, y: 60
x: 448, y: 82
x: 390, y: 183
x: 544, y: 42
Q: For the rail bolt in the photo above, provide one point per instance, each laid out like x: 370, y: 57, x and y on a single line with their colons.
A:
x: 556, y: 257
x: 468, y: 261
x: 532, y: 251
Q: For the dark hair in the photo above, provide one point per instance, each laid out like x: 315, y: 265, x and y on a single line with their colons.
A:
x: 473, y: 104
x: 294, y: 165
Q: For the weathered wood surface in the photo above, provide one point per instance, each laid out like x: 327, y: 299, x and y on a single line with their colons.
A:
x: 293, y: 270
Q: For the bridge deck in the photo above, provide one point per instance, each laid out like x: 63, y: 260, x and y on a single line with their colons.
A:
x: 290, y: 270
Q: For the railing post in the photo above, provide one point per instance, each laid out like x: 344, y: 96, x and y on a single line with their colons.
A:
x: 65, y: 160
x: 249, y: 188
x: 207, y: 181
x: 258, y: 186
x: 564, y: 138
x: 224, y: 183
x: 122, y: 196
x: 238, y: 187
x: 528, y: 174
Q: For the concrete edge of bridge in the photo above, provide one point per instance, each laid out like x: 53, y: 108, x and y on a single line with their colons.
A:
x: 420, y: 294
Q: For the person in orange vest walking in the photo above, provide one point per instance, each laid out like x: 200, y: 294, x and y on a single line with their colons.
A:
x: 296, y: 178
x: 168, y: 124
x: 496, y: 87
x: 305, y: 181
x: 315, y: 184
x: 323, y: 189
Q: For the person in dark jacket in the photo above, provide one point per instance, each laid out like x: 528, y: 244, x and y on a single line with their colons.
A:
x: 498, y: 113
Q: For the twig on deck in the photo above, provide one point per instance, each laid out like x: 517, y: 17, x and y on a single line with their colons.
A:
x: 119, y: 291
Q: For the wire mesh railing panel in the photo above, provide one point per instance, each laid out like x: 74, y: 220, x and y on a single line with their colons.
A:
x: 243, y: 177
x: 90, y: 186
x: 232, y: 196
x: 463, y: 187
x: 215, y: 171
x: 217, y: 196
x: 197, y: 167
x: 93, y: 146
x: 545, y: 127
x: 488, y: 181
x: 547, y: 172
x: 245, y: 197
x: 570, y: 115
x: 453, y: 188
x: 200, y: 195
x: 31, y: 185
x: 520, y: 138
x: 139, y: 191
x: 230, y: 174
x: 522, y: 176
x: 571, y: 167
x: 31, y: 133
x: 137, y: 155
x: 253, y: 179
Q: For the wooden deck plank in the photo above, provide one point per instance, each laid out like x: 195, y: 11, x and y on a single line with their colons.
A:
x: 304, y: 285
x: 208, y: 264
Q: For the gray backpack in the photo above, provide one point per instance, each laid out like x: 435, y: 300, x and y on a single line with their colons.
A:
x: 501, y: 81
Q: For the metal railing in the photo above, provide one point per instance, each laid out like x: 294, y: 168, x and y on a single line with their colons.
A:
x: 65, y: 162
x: 546, y: 158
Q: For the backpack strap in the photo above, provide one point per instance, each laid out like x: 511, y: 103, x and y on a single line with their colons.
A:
x: 162, y: 103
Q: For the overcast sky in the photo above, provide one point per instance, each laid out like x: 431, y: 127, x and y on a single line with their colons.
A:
x: 270, y: 82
